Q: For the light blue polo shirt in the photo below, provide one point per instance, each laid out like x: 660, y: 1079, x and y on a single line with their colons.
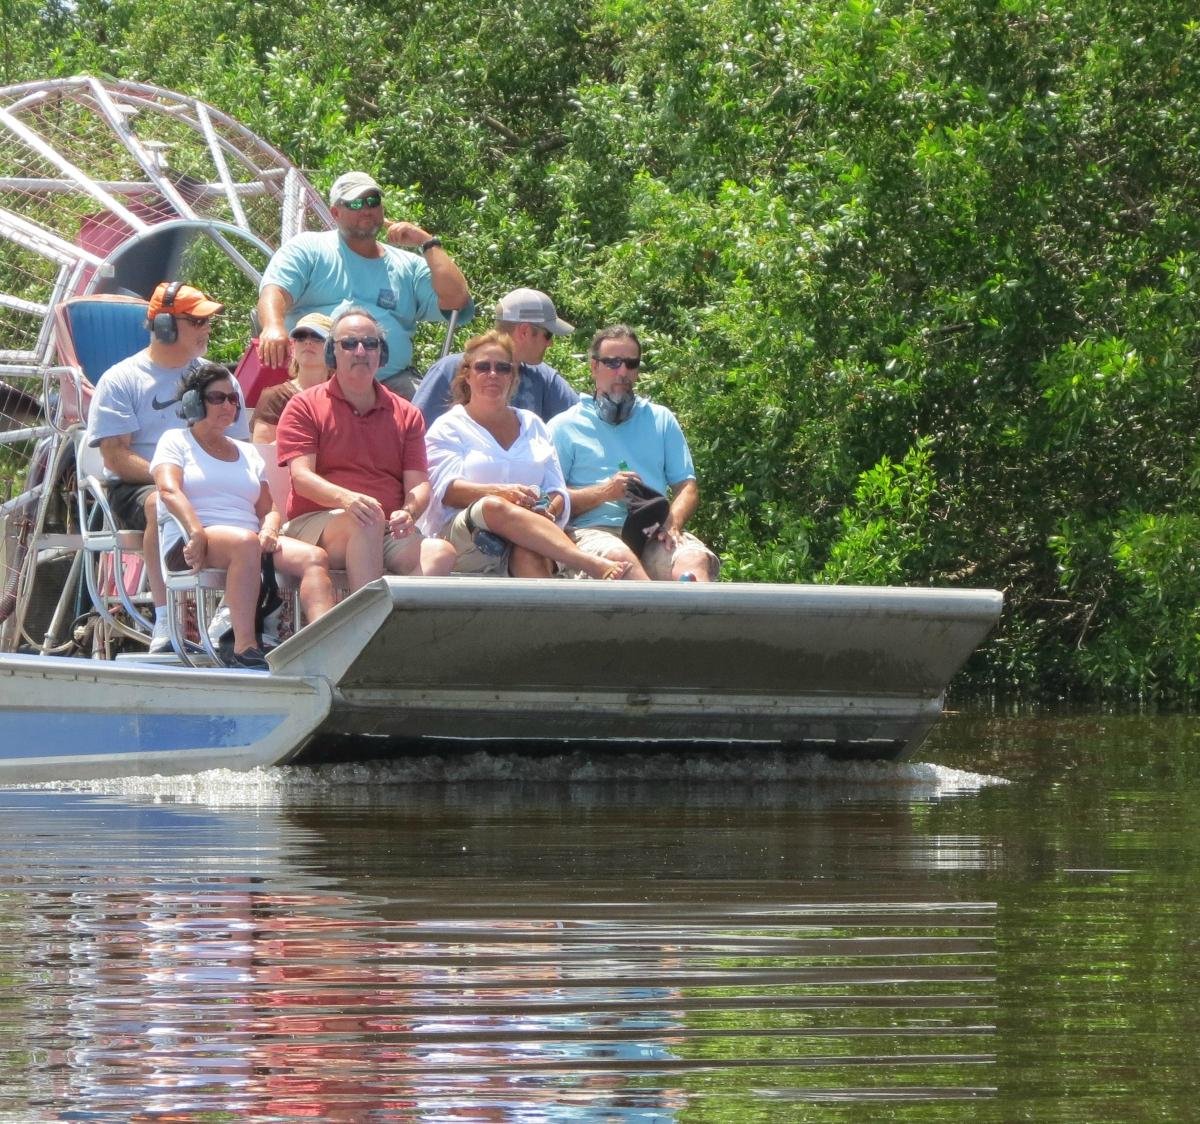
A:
x: 650, y: 442
x: 321, y: 273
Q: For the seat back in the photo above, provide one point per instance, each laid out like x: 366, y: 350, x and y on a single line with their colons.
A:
x: 279, y: 477
x: 90, y: 335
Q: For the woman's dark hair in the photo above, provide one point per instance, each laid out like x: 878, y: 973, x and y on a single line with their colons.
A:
x: 201, y: 376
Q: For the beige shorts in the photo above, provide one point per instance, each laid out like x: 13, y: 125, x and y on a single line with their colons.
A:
x: 472, y: 560
x: 657, y: 559
x: 311, y: 526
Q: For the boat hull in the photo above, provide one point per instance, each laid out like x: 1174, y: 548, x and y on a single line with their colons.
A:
x: 66, y: 719
x: 848, y: 671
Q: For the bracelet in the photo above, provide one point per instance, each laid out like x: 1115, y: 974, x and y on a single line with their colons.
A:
x: 429, y: 244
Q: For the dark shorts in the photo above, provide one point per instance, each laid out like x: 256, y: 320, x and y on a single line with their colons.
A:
x: 128, y: 503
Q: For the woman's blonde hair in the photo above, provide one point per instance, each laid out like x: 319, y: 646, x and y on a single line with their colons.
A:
x: 460, y: 390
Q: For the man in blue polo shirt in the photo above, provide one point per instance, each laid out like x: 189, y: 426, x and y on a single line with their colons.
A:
x: 329, y: 271
x: 529, y: 317
x: 619, y: 451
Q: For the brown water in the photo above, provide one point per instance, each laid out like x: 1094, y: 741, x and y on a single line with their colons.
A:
x: 609, y: 939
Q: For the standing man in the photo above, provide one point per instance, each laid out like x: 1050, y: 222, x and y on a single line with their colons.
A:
x: 136, y: 402
x: 529, y: 317
x: 615, y: 445
x: 328, y: 270
x: 357, y: 458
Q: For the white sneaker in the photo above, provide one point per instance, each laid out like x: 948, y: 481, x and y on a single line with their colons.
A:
x: 160, y: 638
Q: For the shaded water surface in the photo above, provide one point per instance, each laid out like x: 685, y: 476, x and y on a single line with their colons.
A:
x: 613, y: 939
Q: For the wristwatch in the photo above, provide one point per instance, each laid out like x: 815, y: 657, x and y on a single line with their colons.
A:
x: 429, y: 244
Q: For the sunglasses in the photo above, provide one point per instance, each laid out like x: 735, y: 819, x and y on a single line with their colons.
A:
x: 372, y: 200
x: 616, y: 362
x: 304, y: 334
x: 486, y: 367
x: 198, y: 321
x: 350, y: 343
x: 218, y: 397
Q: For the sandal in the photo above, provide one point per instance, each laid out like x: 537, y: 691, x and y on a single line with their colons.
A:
x: 616, y: 571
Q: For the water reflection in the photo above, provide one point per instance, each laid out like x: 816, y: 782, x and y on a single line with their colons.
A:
x: 474, y: 951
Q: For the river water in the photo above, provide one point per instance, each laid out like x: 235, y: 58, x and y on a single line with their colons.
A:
x: 1005, y: 931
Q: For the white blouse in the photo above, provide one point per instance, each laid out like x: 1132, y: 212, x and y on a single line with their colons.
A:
x: 460, y: 448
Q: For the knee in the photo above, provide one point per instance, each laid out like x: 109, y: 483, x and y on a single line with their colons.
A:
x: 492, y: 509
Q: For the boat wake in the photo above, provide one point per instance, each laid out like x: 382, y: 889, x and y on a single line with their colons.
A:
x: 773, y: 777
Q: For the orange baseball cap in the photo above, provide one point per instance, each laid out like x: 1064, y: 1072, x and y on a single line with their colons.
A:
x: 187, y: 302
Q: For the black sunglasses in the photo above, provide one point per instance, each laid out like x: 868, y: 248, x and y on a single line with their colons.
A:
x: 350, y: 343
x: 198, y: 321
x: 616, y: 362
x: 217, y: 397
x: 372, y: 200
x: 486, y: 367
x: 305, y: 334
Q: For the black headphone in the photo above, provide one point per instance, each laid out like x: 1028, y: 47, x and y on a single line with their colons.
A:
x: 163, y: 325
x: 192, y: 406
x: 331, y: 351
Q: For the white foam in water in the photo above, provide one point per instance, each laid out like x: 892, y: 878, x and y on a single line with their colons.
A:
x: 286, y: 785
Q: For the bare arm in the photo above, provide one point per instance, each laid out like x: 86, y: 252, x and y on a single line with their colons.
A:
x: 269, y: 520
x: 263, y: 433
x: 593, y: 495
x: 120, y: 459
x: 685, y: 498
x: 273, y: 304
x: 463, y: 493
x: 312, y: 486
x: 169, y: 480
x: 447, y: 279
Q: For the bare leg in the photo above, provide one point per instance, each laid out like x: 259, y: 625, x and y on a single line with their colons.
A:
x: 354, y: 547
x: 236, y: 551
x: 154, y: 574
x: 311, y: 565
x: 540, y: 535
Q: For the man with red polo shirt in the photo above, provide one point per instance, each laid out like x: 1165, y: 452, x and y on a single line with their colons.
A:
x: 357, y: 457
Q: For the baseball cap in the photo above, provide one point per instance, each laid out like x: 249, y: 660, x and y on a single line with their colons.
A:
x: 531, y: 306
x: 187, y: 302
x: 315, y: 322
x: 352, y: 185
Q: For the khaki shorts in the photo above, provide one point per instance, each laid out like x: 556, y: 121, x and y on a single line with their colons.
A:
x: 657, y: 559
x: 311, y: 526
x: 472, y: 560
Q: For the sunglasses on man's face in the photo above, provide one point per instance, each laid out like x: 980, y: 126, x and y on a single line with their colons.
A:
x: 304, y: 336
x: 486, y: 367
x: 350, y: 343
x: 199, y: 321
x: 616, y: 362
x: 219, y: 397
x: 372, y: 200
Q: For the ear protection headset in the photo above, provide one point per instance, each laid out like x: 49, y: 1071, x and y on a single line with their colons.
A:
x: 163, y: 325
x: 192, y: 406
x: 615, y: 410
x: 331, y: 351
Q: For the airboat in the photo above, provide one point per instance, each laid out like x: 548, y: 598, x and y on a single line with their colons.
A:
x: 108, y: 188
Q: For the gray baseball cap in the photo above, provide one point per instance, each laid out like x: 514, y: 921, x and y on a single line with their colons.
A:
x: 531, y: 306
x: 353, y: 185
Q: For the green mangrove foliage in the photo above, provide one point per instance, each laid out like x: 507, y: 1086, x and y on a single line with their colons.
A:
x: 920, y: 278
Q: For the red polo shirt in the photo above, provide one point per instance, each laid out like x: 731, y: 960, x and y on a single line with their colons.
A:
x: 367, y: 453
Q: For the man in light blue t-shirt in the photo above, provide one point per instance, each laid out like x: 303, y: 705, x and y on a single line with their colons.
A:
x: 613, y: 447
x: 328, y: 271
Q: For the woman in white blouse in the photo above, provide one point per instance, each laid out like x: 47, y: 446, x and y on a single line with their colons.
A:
x: 498, y: 492
x: 216, y: 489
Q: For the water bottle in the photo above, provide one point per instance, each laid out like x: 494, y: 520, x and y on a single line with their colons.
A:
x: 542, y: 505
